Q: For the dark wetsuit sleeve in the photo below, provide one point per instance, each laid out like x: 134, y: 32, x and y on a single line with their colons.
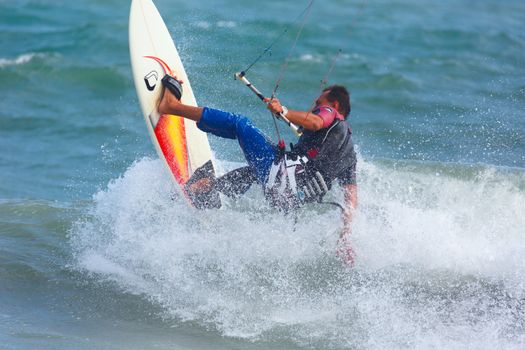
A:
x: 348, y: 176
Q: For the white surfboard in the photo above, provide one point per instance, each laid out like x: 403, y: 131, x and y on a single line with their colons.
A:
x: 184, y: 148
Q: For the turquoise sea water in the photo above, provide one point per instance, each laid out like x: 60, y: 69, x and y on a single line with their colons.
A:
x: 98, y: 250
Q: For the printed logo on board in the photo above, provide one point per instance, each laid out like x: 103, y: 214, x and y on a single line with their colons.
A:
x: 151, y: 80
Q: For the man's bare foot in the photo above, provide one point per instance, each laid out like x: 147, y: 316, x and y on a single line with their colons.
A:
x: 167, y: 103
x: 201, y: 186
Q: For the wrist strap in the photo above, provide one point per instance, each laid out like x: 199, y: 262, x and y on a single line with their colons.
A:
x: 285, y: 111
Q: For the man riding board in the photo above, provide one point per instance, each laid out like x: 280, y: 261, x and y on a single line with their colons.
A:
x: 290, y: 179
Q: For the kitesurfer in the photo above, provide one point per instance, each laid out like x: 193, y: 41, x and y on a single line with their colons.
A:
x: 323, y: 154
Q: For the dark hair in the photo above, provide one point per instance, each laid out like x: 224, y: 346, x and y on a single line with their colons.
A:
x: 340, y: 94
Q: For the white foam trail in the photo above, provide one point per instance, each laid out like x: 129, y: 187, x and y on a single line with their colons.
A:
x: 203, y: 24
x: 311, y: 58
x: 440, y: 259
x: 220, y: 24
x: 319, y: 58
x: 226, y: 24
x: 22, y: 59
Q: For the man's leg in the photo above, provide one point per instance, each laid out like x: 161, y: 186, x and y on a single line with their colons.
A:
x: 257, y: 148
x: 169, y: 104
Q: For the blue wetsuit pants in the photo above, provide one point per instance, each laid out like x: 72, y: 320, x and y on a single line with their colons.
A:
x: 257, y: 148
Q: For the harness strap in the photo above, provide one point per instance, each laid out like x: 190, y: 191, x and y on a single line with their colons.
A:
x: 274, y: 170
x: 291, y: 166
x: 321, y: 181
x: 282, y: 179
x: 291, y: 178
x: 306, y: 192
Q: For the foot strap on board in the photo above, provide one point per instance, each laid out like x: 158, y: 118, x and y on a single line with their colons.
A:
x: 173, y: 85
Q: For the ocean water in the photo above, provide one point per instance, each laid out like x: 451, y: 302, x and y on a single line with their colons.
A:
x: 99, y: 251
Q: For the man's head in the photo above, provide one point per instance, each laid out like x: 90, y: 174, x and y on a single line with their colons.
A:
x: 336, y: 96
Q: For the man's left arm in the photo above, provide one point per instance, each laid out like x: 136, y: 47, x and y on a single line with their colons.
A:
x: 350, y: 194
x: 344, y: 248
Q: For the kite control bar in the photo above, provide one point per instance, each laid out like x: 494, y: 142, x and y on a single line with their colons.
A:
x: 298, y: 130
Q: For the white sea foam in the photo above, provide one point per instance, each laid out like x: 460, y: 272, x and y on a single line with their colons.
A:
x: 220, y: 24
x: 203, y: 24
x: 440, y: 260
x: 22, y: 59
x: 226, y: 24
x: 329, y: 57
x: 311, y: 58
x: 472, y: 226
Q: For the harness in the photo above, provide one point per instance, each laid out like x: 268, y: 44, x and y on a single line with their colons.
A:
x: 305, y: 174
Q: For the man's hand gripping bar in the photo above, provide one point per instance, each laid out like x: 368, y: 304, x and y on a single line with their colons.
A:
x: 298, y: 130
